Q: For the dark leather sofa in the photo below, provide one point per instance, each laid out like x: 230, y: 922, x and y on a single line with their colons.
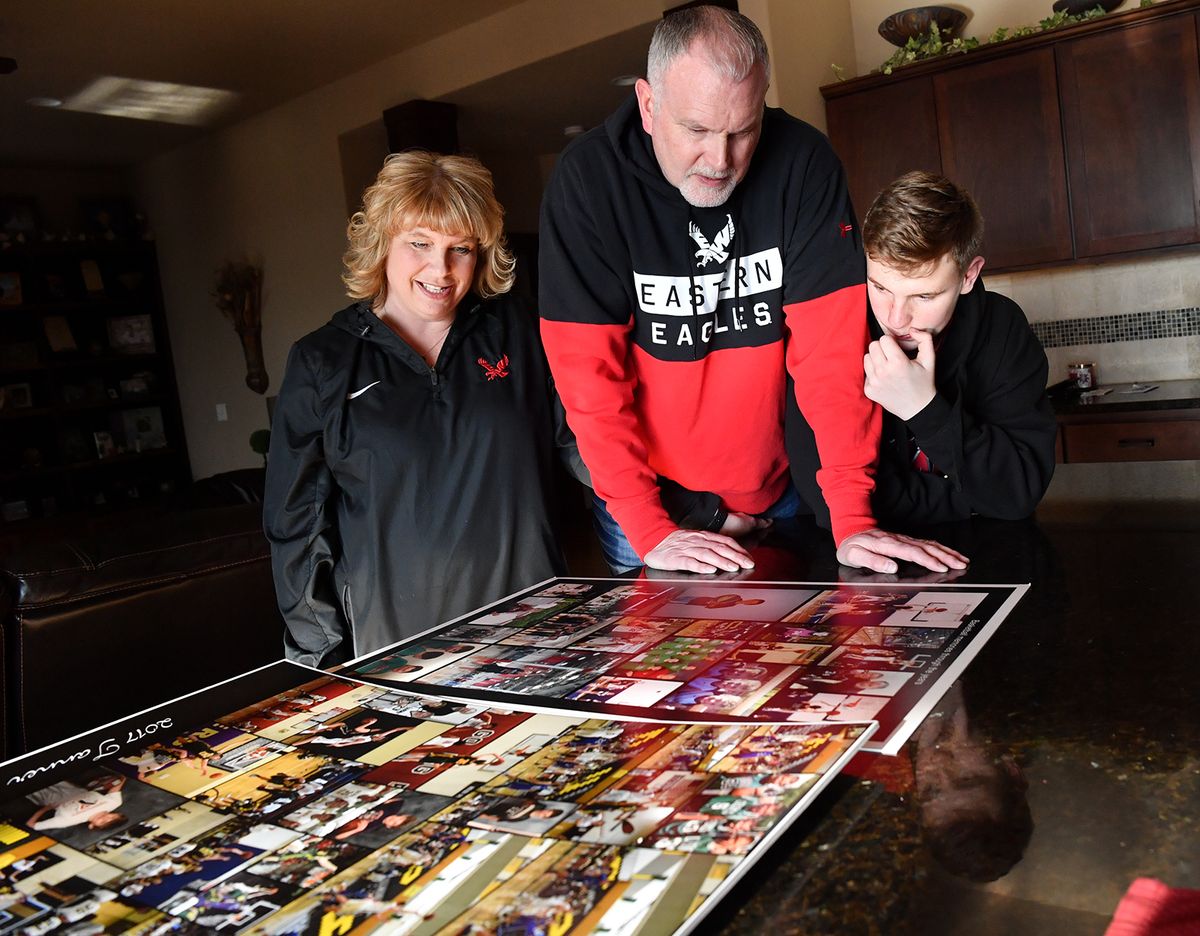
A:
x: 97, y: 627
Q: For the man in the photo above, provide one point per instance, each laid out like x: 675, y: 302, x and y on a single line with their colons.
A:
x: 676, y: 240
x: 967, y: 426
x: 974, y: 808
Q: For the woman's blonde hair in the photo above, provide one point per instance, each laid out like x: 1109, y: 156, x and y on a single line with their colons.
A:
x: 416, y: 189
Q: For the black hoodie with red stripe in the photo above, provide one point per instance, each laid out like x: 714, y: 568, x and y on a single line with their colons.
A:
x: 670, y: 328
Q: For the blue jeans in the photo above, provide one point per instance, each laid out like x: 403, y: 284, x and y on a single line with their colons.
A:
x: 619, y: 553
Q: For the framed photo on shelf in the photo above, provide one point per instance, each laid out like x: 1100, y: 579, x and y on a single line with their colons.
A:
x: 137, y: 386
x: 108, y: 218
x: 58, y: 286
x: 58, y: 334
x: 73, y: 445
x: 72, y: 394
x: 143, y: 429
x: 105, y: 447
x: 16, y: 396
x: 15, y: 510
x: 93, y: 282
x: 10, y: 289
x: 19, y: 219
x: 131, y: 334
x: 130, y: 282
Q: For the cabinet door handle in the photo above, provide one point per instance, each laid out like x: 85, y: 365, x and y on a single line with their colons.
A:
x: 1135, y: 443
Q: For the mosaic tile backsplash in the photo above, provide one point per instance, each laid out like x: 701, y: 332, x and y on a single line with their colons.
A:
x: 1106, y: 329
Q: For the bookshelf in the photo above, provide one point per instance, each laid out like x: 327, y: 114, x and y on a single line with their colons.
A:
x: 89, y: 407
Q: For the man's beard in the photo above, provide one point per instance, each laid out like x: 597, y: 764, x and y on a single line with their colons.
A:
x: 699, y: 195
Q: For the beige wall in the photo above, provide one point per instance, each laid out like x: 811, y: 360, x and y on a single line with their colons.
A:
x: 271, y: 187
x: 805, y: 39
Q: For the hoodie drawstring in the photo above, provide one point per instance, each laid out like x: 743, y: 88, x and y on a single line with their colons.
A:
x: 692, y: 293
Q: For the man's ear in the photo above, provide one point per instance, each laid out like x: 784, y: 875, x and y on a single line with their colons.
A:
x: 971, y: 274
x: 645, y: 98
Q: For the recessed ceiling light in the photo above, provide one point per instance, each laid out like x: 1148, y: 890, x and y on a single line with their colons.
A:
x: 150, y: 100
x: 45, y: 101
x: 625, y: 81
x: 573, y: 130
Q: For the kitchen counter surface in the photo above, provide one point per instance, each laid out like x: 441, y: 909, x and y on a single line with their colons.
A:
x: 1166, y: 395
x: 1089, y: 688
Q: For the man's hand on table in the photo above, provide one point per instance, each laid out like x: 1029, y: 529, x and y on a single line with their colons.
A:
x: 698, y: 551
x: 878, y: 550
x: 865, y: 577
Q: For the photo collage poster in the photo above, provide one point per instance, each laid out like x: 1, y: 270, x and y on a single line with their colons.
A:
x: 290, y: 801
x: 704, y: 651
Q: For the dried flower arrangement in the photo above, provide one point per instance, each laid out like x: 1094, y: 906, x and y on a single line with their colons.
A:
x: 238, y: 294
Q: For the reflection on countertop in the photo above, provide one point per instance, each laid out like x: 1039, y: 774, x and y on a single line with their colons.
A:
x: 1089, y: 687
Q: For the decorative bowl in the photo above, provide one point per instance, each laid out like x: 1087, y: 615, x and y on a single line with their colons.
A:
x: 900, y: 27
x: 1072, y: 7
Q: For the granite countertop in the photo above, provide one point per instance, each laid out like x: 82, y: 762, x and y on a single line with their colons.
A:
x: 1089, y: 687
x: 1166, y: 395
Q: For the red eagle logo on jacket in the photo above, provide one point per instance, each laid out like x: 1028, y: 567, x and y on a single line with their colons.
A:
x: 493, y: 371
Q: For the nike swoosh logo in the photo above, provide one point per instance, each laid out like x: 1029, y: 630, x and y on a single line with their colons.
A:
x: 358, y: 393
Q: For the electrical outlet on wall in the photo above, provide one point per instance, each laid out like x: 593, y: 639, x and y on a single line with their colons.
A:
x: 222, y: 412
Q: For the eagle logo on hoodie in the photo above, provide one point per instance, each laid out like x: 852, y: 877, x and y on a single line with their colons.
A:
x: 717, y: 249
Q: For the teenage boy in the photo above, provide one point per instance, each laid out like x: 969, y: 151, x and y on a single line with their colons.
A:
x: 967, y: 427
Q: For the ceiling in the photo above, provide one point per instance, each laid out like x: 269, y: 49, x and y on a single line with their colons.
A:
x: 265, y: 51
x: 527, y: 109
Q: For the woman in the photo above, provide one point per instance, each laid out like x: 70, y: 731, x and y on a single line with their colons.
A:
x: 411, y: 454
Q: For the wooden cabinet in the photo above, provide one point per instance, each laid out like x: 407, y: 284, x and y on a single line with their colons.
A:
x: 1077, y: 143
x: 89, y: 411
x: 882, y: 135
x: 1157, y: 423
x: 998, y: 125
x: 1154, y: 437
x: 1131, y: 114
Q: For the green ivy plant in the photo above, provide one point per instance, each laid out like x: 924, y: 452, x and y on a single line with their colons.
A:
x: 926, y: 46
x: 931, y: 45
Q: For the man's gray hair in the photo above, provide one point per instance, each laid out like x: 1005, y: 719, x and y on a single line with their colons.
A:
x: 730, y: 41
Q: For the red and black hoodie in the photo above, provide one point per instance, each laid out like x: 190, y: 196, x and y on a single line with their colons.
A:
x: 670, y: 329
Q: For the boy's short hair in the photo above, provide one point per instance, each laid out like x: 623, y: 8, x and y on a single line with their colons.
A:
x: 920, y: 218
